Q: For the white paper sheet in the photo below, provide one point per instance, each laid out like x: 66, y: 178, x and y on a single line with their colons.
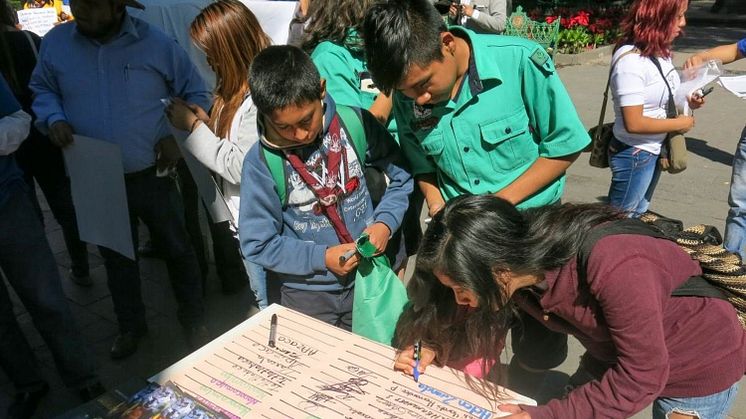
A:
x: 99, y: 195
x: 206, y: 186
x: 694, y: 79
x: 316, y: 370
x: 38, y: 21
x: 274, y: 17
x: 735, y: 85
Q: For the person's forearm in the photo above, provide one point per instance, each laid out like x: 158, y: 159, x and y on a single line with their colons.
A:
x: 381, y: 108
x: 540, y: 174
x: 429, y: 186
x: 725, y: 53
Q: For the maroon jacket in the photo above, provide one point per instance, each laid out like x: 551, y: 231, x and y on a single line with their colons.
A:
x: 661, y: 346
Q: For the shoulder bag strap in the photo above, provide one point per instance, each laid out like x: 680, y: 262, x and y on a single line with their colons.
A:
x: 670, y: 106
x: 606, y: 91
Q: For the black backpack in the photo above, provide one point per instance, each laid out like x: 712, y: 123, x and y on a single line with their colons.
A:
x: 722, y: 277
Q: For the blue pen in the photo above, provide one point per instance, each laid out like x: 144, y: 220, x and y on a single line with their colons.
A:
x: 417, y: 354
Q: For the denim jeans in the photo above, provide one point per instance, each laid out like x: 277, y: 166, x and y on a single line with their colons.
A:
x: 634, y: 176
x: 735, y: 223
x: 258, y: 283
x: 714, y: 406
x: 156, y: 201
x: 30, y: 268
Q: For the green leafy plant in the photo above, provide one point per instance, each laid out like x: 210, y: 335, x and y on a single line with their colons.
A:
x: 573, y: 40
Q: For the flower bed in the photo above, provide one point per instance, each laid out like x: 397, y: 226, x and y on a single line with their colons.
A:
x: 582, y: 29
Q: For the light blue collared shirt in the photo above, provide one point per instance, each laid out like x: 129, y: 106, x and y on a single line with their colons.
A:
x: 174, y: 17
x: 112, y: 91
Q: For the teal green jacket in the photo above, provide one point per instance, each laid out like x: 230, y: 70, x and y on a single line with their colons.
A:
x: 346, y: 74
x: 511, y: 110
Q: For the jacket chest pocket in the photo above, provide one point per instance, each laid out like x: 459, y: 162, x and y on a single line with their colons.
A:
x: 433, y: 145
x: 508, y: 142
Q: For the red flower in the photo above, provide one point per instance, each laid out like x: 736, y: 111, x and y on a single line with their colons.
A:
x: 550, y: 19
x: 582, y: 19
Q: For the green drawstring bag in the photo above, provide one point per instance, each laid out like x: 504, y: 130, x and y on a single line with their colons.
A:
x: 380, y: 295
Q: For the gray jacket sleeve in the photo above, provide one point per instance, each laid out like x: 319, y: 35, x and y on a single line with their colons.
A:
x: 494, y: 17
x: 221, y: 155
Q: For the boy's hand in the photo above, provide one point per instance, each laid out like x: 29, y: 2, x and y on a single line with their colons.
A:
x: 334, y: 261
x: 404, y: 360
x: 379, y: 234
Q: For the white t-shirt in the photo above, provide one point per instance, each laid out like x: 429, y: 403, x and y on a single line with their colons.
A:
x: 636, y: 81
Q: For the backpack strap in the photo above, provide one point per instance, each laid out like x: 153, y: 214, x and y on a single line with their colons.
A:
x: 352, y: 121
x: 276, y: 165
x: 695, y: 286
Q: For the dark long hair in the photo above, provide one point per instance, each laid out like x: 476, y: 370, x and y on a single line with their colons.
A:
x: 473, y: 240
x: 331, y: 20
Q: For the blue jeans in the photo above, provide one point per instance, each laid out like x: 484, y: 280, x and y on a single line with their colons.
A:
x: 735, y: 223
x: 714, y: 406
x: 634, y: 176
x: 156, y: 201
x: 258, y: 283
x: 30, y: 268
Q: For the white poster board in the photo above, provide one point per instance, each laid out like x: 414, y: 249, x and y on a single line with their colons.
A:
x: 99, y: 194
x: 38, y: 21
x: 318, y: 370
x: 274, y: 17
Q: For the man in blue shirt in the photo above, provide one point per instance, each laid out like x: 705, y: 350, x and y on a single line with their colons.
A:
x: 30, y: 268
x: 104, y: 76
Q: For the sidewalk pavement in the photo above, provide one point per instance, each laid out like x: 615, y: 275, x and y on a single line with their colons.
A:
x: 698, y: 195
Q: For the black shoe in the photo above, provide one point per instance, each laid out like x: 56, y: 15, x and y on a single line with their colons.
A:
x: 125, y: 344
x: 82, y: 280
x: 197, y: 337
x: 91, y: 391
x: 25, y: 403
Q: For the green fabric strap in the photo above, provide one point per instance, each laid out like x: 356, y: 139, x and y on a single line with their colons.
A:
x: 354, y: 125
x: 276, y: 165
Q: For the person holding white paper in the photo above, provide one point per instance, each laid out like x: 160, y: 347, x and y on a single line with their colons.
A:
x: 103, y: 77
x: 735, y: 223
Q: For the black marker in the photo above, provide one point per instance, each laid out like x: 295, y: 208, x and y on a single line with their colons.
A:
x: 272, y: 331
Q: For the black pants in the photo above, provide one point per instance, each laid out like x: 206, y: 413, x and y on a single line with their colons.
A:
x: 156, y: 201
x: 42, y: 161
x: 29, y: 266
x: 225, y: 246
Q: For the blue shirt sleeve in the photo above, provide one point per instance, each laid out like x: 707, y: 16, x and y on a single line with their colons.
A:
x: 8, y: 102
x: 742, y: 47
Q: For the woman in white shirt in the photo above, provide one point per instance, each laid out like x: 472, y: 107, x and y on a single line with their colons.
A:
x: 230, y: 35
x: 641, y: 96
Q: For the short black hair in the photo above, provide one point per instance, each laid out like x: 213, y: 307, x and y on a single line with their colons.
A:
x: 283, y: 75
x: 399, y: 33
